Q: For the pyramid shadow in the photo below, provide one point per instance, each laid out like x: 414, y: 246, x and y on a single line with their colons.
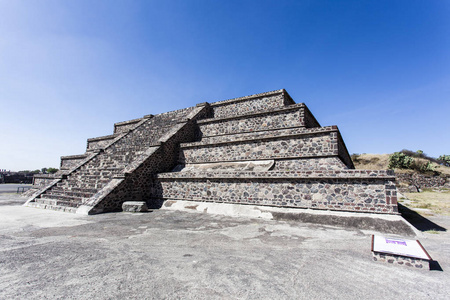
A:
x: 419, y: 222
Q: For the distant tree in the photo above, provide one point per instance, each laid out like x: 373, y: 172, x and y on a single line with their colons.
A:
x: 52, y: 170
x: 36, y: 171
x: 44, y: 170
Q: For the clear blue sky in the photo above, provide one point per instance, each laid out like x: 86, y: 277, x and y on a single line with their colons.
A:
x: 380, y: 70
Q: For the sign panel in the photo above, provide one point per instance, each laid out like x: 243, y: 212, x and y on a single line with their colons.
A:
x: 410, y: 248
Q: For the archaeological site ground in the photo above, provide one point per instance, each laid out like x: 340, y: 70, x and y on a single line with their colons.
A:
x: 170, y: 254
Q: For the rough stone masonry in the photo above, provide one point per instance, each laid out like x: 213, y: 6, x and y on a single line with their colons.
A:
x: 262, y: 149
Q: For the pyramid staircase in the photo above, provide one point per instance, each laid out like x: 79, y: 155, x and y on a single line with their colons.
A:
x: 259, y: 150
x: 115, y: 168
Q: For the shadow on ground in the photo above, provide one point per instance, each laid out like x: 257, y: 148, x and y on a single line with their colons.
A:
x: 419, y: 222
x: 435, y: 266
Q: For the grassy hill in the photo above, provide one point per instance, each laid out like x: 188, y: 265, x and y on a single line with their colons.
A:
x: 381, y: 161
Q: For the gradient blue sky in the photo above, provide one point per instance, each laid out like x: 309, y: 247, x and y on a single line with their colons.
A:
x: 380, y: 70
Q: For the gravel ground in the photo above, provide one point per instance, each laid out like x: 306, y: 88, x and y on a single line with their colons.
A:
x: 181, y: 255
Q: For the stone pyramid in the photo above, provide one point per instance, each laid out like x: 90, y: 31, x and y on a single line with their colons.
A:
x: 262, y: 149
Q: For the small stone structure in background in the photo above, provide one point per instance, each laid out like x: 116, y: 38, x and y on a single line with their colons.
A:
x: 262, y: 149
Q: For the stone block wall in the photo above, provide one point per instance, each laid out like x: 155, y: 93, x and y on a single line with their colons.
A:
x: 343, y: 152
x: 176, y: 115
x: 277, y: 118
x: 310, y: 120
x: 42, y: 179
x: 270, y: 147
x: 69, y: 162
x: 121, y: 127
x: 100, y: 142
x: 239, y: 106
x: 309, y: 163
x: 401, y: 260
x: 336, y: 190
x: 260, y: 135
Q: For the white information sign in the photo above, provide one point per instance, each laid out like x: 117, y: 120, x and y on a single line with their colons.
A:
x: 410, y: 248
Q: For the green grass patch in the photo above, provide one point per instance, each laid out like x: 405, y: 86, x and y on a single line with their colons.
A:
x: 438, y: 202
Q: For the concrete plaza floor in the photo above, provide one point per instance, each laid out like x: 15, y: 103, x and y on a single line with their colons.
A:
x: 180, y: 255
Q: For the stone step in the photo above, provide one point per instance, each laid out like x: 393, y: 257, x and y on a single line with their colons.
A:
x: 130, y: 150
x: 88, y: 179
x: 103, y: 138
x: 90, y: 184
x: 98, y: 169
x: 62, y: 197
x: 105, y: 169
x: 65, y: 192
x: 53, y: 207
x: 93, y: 176
x: 75, y: 189
x: 58, y: 202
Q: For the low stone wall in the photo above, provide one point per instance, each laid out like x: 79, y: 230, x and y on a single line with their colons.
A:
x: 418, y: 182
x: 335, y: 190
